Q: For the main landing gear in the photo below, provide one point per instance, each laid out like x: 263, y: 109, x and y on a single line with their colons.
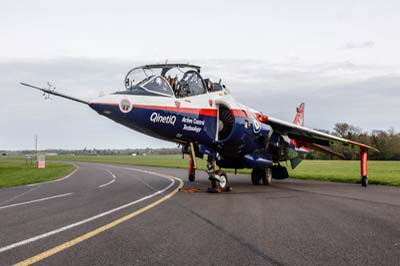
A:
x: 218, y: 179
x: 261, y: 176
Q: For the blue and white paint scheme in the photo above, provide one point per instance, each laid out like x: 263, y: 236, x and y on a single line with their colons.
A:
x: 174, y: 102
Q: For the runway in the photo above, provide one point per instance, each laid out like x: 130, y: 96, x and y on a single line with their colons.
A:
x: 132, y: 215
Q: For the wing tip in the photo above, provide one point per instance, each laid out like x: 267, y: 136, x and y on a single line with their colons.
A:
x: 361, y: 145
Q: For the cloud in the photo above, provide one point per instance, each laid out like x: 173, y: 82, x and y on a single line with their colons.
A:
x: 364, y: 95
x: 361, y: 45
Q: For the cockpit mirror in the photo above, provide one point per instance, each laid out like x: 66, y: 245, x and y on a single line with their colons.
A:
x: 127, y: 83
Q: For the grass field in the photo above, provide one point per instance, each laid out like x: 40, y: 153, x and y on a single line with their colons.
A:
x: 17, y: 172
x: 380, y: 172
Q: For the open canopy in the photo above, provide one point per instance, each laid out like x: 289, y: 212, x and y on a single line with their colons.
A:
x: 171, y: 80
x: 139, y: 74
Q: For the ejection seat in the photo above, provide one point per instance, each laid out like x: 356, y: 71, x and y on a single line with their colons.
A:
x: 209, y: 85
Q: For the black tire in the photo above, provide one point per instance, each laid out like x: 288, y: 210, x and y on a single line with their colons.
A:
x: 223, y: 184
x: 267, y: 178
x: 364, y: 181
x: 192, y: 177
x: 257, y: 176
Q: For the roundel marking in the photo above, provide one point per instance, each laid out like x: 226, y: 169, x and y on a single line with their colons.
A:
x: 256, y: 127
x: 125, y: 106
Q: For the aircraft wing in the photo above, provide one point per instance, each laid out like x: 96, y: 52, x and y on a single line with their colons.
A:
x: 311, y: 138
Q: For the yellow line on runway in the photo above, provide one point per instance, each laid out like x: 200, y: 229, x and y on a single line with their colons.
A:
x: 97, y: 231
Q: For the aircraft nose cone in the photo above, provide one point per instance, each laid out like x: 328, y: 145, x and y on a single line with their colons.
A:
x: 103, y: 109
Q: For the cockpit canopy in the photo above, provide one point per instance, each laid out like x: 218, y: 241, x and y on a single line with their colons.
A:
x: 156, y: 84
x: 170, y: 80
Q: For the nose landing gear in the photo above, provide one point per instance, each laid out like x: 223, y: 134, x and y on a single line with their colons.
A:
x: 218, y: 179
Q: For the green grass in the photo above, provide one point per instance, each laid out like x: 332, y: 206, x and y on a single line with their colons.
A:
x: 169, y: 161
x: 17, y: 172
x: 380, y: 172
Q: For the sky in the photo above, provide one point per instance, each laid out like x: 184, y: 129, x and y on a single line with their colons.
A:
x: 339, y: 57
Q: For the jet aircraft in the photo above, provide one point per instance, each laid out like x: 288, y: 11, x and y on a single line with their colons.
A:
x: 175, y: 103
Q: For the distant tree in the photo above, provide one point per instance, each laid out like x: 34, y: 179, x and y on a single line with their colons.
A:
x: 341, y: 129
x: 387, y: 142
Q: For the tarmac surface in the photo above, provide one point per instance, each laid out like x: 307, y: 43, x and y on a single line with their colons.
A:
x: 119, y: 215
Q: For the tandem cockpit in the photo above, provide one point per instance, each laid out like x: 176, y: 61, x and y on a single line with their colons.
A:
x: 169, y: 80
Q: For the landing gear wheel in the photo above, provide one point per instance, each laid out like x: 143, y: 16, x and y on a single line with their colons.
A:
x: 223, y: 180
x: 258, y: 175
x: 267, y: 178
x: 364, y: 181
x: 192, y: 177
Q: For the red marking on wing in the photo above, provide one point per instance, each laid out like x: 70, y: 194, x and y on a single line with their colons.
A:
x: 351, y: 142
x: 260, y: 117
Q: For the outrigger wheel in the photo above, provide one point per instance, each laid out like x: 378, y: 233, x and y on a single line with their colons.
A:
x: 259, y: 175
x: 364, y: 181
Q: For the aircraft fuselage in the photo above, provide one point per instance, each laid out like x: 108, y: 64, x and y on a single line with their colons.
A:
x: 191, y: 119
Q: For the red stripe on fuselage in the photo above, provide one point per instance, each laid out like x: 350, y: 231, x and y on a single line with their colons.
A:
x: 239, y: 112
x: 195, y: 111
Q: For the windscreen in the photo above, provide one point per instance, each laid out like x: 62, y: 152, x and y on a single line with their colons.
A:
x: 157, y: 85
x: 140, y: 76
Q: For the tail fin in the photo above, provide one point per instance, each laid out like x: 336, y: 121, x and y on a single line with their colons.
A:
x: 299, y: 118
